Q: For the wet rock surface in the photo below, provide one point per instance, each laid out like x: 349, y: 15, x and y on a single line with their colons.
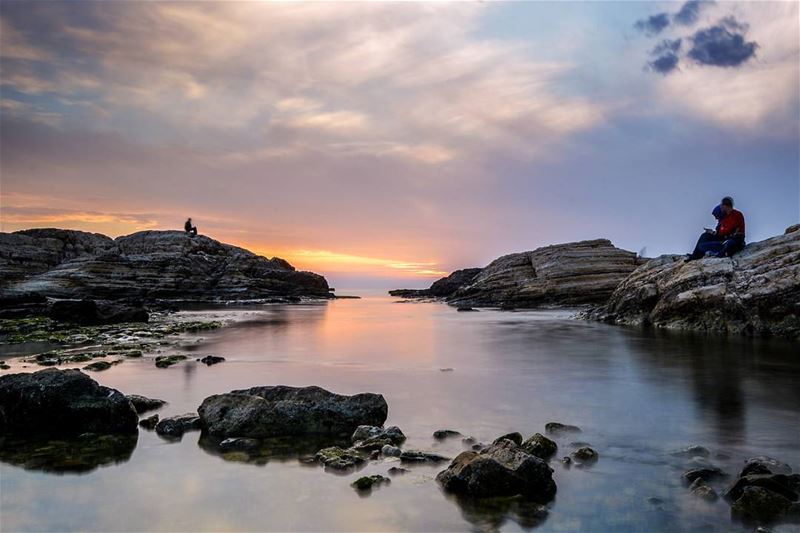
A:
x: 502, y: 469
x: 558, y: 429
x: 62, y: 402
x: 142, y: 404
x: 146, y: 265
x: 281, y: 410
x: 756, y: 292
x: 338, y: 458
x: 149, y: 422
x: 166, y: 361
x: 209, y: 360
x: 540, y: 446
x: 176, y: 426
x: 419, y: 457
x: 367, y: 483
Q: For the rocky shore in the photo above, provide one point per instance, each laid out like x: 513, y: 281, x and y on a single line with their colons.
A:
x: 756, y: 292
x: 41, y: 264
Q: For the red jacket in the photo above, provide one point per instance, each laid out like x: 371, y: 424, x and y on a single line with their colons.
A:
x: 731, y: 224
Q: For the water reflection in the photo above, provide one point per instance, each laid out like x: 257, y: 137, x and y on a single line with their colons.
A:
x: 489, y: 514
x: 262, y: 451
x: 61, y: 456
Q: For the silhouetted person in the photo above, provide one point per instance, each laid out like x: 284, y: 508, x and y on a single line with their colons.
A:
x: 191, y: 230
x: 727, y: 238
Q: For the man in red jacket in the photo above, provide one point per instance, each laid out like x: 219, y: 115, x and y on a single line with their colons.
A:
x: 727, y: 239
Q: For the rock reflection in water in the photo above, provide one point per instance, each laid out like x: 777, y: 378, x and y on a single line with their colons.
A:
x: 262, y: 451
x: 489, y: 514
x: 74, y: 455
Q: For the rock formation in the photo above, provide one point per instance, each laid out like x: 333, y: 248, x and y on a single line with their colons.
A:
x: 62, y: 403
x: 262, y: 412
x: 563, y: 274
x: 146, y: 265
x: 757, y: 291
x: 441, y: 288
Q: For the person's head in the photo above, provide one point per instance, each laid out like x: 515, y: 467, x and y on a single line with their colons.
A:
x: 726, y: 204
x: 189, y: 219
x: 717, y: 212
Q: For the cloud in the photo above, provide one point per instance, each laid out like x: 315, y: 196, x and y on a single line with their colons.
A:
x: 690, y: 12
x: 654, y: 24
x: 666, y: 56
x: 720, y: 47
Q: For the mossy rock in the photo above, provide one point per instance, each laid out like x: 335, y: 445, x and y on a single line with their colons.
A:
x: 366, y: 483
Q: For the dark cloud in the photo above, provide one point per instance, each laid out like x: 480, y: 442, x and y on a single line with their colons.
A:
x: 653, y: 25
x: 666, y: 56
x: 722, y: 45
x: 689, y: 12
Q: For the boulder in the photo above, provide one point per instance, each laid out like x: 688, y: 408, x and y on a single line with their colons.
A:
x: 540, y: 446
x: 391, y: 451
x: 502, y: 469
x: 563, y: 274
x: 442, y: 434
x: 764, y: 465
x: 691, y: 451
x: 371, y: 434
x: 755, y: 292
x: 62, y: 402
x: 760, y: 505
x: 705, y: 473
x: 142, y: 404
x: 166, y: 361
x: 94, y: 312
x: 441, y: 288
x: 585, y: 455
x: 176, y: 426
x: 147, y: 265
x: 787, y: 485
x: 281, y: 410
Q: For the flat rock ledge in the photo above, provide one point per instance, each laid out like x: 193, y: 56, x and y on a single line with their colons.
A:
x: 568, y: 274
x: 756, y: 292
x: 62, y: 403
x: 147, y: 265
x: 280, y: 410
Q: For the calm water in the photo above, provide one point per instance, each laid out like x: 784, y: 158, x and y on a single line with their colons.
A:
x: 636, y: 395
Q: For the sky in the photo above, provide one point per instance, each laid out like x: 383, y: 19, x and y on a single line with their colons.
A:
x: 387, y: 144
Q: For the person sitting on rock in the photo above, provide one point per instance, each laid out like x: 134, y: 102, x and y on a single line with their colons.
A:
x: 727, y: 238
x: 191, y: 230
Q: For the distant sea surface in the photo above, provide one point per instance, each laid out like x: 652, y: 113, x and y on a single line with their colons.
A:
x: 637, y: 396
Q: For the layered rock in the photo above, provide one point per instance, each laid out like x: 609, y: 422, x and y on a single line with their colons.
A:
x: 262, y: 412
x: 144, y: 265
x: 441, y: 288
x: 757, y: 291
x: 62, y: 403
x: 563, y: 274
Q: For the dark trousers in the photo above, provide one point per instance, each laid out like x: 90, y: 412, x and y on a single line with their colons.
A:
x: 192, y: 230
x: 713, y: 243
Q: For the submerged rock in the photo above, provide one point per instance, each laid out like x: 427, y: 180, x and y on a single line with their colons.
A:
x: 540, y: 446
x: 691, y: 451
x: 99, y: 366
x: 211, y: 360
x: 391, y: 451
x: 145, y: 265
x: 787, y: 485
x: 416, y: 456
x: 756, y: 292
x: 705, y: 473
x: 282, y: 410
x: 764, y: 465
x: 701, y: 490
x: 502, y: 469
x: 239, y: 444
x: 397, y: 471
x: 562, y: 274
x: 165, y: 361
x: 585, y: 455
x: 62, y: 402
x: 142, y: 404
x: 558, y: 429
x: 176, y: 426
x: 367, y: 483
x: 442, y: 434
